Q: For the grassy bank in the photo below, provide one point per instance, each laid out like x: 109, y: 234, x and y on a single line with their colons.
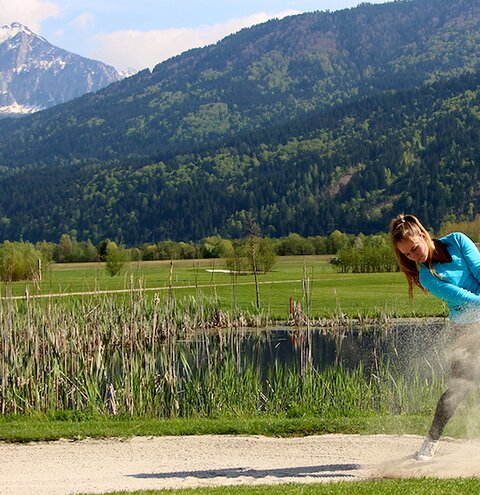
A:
x: 77, y: 426
x: 68, y: 425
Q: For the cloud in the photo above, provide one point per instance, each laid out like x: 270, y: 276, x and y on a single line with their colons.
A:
x: 141, y: 49
x: 31, y: 13
x: 83, y: 20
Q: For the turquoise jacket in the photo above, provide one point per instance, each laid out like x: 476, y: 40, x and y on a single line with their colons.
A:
x: 458, y: 282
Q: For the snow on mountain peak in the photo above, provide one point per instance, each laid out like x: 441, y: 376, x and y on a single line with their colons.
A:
x: 10, y: 31
x: 35, y: 74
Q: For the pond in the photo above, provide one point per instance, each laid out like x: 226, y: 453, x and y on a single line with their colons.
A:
x: 407, y: 344
x: 127, y: 367
x: 398, y: 368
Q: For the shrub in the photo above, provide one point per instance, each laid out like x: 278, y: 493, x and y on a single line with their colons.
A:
x: 20, y: 261
x: 116, y: 258
x: 367, y: 259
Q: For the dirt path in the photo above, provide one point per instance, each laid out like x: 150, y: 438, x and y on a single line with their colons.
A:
x: 96, y: 466
x: 53, y: 295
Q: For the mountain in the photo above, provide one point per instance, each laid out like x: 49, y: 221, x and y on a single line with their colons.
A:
x: 254, y: 79
x: 35, y: 74
x: 315, y: 122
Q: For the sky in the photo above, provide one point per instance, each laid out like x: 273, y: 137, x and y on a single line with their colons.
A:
x: 136, y: 34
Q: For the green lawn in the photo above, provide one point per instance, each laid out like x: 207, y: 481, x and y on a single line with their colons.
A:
x: 329, y: 293
x: 76, y: 425
x: 426, y: 486
x: 24, y: 428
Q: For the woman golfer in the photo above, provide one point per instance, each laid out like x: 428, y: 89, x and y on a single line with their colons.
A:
x: 448, y: 268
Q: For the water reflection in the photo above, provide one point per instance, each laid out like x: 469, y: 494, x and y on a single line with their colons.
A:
x: 420, y: 344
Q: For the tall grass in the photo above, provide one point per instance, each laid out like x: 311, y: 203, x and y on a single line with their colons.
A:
x: 168, y: 357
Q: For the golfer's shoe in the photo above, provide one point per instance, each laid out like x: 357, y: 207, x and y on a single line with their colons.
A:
x: 427, y: 450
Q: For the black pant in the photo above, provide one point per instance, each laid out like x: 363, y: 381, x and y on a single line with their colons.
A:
x: 465, y: 373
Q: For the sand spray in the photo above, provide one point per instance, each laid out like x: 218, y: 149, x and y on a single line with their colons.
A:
x: 432, y: 352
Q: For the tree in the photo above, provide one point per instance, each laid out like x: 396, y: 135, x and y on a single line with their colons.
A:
x: 115, y: 258
x: 64, y: 249
x: 294, y: 245
x: 338, y: 240
x: 216, y: 247
x: 238, y: 261
x: 20, y: 261
x: 265, y: 255
x: 374, y: 257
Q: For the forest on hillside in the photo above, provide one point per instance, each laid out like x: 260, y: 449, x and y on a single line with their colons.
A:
x: 312, y: 123
x: 350, y: 169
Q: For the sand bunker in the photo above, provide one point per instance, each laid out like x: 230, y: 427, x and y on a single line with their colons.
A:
x: 95, y: 466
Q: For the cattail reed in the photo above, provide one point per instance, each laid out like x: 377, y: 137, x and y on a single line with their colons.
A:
x: 160, y: 356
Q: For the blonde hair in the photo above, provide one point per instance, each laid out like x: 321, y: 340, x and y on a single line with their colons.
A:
x: 407, y: 227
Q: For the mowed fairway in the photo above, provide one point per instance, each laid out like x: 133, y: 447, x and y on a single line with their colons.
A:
x: 309, y: 280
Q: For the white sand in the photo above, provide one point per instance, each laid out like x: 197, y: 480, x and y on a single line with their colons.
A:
x: 96, y: 466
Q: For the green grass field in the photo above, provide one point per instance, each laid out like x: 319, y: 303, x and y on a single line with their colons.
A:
x: 329, y: 293
x: 78, y: 425
x: 24, y: 428
x: 426, y: 486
